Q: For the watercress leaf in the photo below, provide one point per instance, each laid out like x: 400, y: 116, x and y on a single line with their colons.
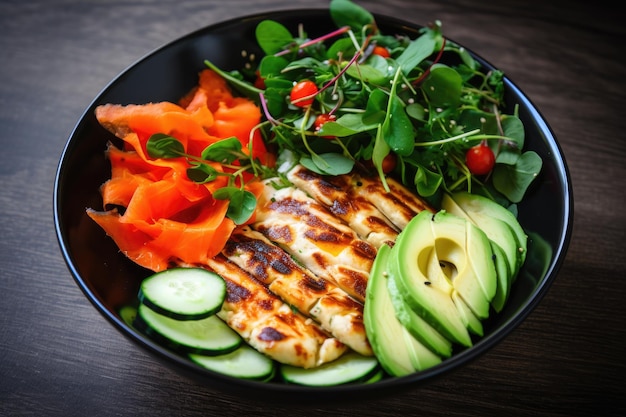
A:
x: 467, y: 58
x: 513, y: 180
x: 347, y: 13
x: 341, y: 48
x: 202, y: 173
x: 416, y: 111
x: 226, y: 193
x: 272, y: 36
x: 513, y: 129
x: 443, y: 86
x: 478, y: 119
x: 418, y: 50
x: 224, y: 151
x: 346, y: 125
x: 241, y: 212
x: 160, y: 145
x: 271, y: 66
x: 328, y: 163
x: 242, y: 203
x: 398, y: 129
x: 508, y: 155
x: 426, y: 181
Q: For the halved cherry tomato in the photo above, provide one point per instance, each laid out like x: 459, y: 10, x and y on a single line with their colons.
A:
x: 381, y: 51
x: 321, y: 119
x: 259, y: 82
x: 389, y: 162
x: 302, y: 89
x: 480, y: 159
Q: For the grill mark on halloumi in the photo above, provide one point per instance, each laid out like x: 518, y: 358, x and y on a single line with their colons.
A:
x: 331, y: 307
x: 338, y: 194
x: 316, y: 238
x: 399, y: 205
x: 268, y: 324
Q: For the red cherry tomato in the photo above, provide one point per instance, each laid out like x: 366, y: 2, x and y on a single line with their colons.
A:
x: 389, y: 163
x: 323, y: 118
x: 303, y: 89
x: 259, y: 82
x: 480, y: 159
x: 382, y: 51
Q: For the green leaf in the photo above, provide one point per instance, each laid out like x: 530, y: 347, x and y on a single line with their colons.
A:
x: 271, y: 66
x: 347, y: 13
x: 241, y: 205
x: 514, y: 129
x: 272, y: 36
x: 375, y: 71
x: 418, y: 50
x: 347, y: 125
x: 160, y: 145
x: 224, y: 151
x: 328, y: 163
x: 202, y: 173
x: 443, y: 86
x: 398, y: 129
x: 513, y: 180
x: 426, y: 181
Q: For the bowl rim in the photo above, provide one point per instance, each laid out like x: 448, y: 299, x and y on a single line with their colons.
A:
x: 294, y: 392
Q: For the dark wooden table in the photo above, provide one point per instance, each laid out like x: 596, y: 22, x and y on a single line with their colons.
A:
x: 59, y: 356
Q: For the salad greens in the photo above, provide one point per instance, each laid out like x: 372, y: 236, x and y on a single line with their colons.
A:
x: 426, y: 104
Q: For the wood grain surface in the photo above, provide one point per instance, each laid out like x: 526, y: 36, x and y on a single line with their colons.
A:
x: 59, y: 356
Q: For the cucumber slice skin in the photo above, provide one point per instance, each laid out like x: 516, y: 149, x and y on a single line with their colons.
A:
x: 245, y: 362
x: 209, y: 336
x: 350, y: 368
x: 183, y: 293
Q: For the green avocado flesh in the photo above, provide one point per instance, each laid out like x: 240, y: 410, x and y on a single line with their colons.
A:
x: 483, y: 212
x: 440, y: 280
x: 405, y: 354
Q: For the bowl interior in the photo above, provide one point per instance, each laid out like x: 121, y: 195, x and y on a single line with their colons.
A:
x: 110, y: 281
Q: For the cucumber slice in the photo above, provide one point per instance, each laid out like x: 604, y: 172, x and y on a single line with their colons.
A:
x: 184, y: 293
x: 349, y: 368
x: 209, y: 336
x: 244, y: 362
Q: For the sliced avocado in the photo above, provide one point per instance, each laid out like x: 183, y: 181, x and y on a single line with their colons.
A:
x: 504, y: 278
x: 417, y: 326
x: 398, y: 352
x: 464, y: 247
x: 408, y: 264
x: 479, y: 205
x: 497, y: 230
x: 437, y: 267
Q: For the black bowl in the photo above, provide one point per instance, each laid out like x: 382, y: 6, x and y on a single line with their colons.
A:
x: 109, y: 280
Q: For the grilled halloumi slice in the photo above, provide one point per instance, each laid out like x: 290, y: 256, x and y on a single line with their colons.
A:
x: 313, y: 296
x: 399, y: 205
x: 339, y: 195
x: 317, y: 239
x: 270, y: 325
